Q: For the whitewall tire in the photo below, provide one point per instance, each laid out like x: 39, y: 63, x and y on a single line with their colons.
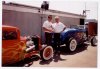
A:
x: 46, y: 53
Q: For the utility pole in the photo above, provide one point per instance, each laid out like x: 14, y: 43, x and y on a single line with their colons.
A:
x: 85, y: 10
x: 44, y: 7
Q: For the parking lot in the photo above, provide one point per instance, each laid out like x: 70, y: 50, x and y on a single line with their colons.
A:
x: 84, y: 56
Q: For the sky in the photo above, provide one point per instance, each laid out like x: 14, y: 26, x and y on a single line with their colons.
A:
x: 76, y: 7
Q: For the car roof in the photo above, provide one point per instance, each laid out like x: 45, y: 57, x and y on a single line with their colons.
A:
x: 9, y: 27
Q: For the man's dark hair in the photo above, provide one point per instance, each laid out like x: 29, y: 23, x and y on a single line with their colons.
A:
x: 49, y: 16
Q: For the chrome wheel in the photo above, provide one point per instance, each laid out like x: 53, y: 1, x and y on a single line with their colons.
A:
x: 47, y: 53
x: 73, y: 45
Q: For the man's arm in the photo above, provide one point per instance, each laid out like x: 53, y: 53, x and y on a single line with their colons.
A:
x: 45, y: 29
x: 64, y: 28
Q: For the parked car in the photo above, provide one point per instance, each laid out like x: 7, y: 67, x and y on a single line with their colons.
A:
x: 92, y: 28
x: 74, y: 36
x: 16, y: 48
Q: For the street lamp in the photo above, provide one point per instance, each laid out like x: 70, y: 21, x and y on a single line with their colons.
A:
x: 44, y: 7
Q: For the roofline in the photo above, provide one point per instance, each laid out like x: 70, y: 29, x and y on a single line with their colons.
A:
x: 38, y: 8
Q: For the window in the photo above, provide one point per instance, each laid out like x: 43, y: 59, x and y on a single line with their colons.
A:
x: 81, y: 21
x: 9, y: 35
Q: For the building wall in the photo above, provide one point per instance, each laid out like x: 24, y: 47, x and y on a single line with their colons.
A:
x: 30, y: 23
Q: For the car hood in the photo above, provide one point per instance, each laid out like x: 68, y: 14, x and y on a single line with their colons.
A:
x: 68, y: 32
x: 73, y: 30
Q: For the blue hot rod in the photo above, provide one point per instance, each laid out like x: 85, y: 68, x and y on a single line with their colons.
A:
x: 74, y: 36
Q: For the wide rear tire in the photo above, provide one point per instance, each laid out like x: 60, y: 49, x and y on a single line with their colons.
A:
x: 46, y: 53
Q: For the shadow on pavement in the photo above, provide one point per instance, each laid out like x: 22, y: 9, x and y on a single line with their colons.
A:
x: 45, y: 62
x: 24, y: 63
x: 80, y: 48
x: 56, y: 58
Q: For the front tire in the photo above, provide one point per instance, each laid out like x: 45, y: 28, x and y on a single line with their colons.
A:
x: 46, y: 53
x: 71, y: 44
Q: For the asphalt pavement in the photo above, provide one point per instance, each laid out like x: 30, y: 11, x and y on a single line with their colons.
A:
x: 84, y: 56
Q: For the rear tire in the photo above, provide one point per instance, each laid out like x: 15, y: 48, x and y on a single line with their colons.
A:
x: 46, y: 53
x: 94, y: 41
x: 71, y: 44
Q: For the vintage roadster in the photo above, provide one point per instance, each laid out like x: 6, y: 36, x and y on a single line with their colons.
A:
x: 16, y: 48
x: 74, y: 36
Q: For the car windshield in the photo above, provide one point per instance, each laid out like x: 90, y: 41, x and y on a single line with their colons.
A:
x: 9, y: 35
x: 77, y: 26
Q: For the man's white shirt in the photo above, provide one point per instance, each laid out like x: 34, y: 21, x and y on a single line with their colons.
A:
x: 58, y: 27
x: 47, y: 25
